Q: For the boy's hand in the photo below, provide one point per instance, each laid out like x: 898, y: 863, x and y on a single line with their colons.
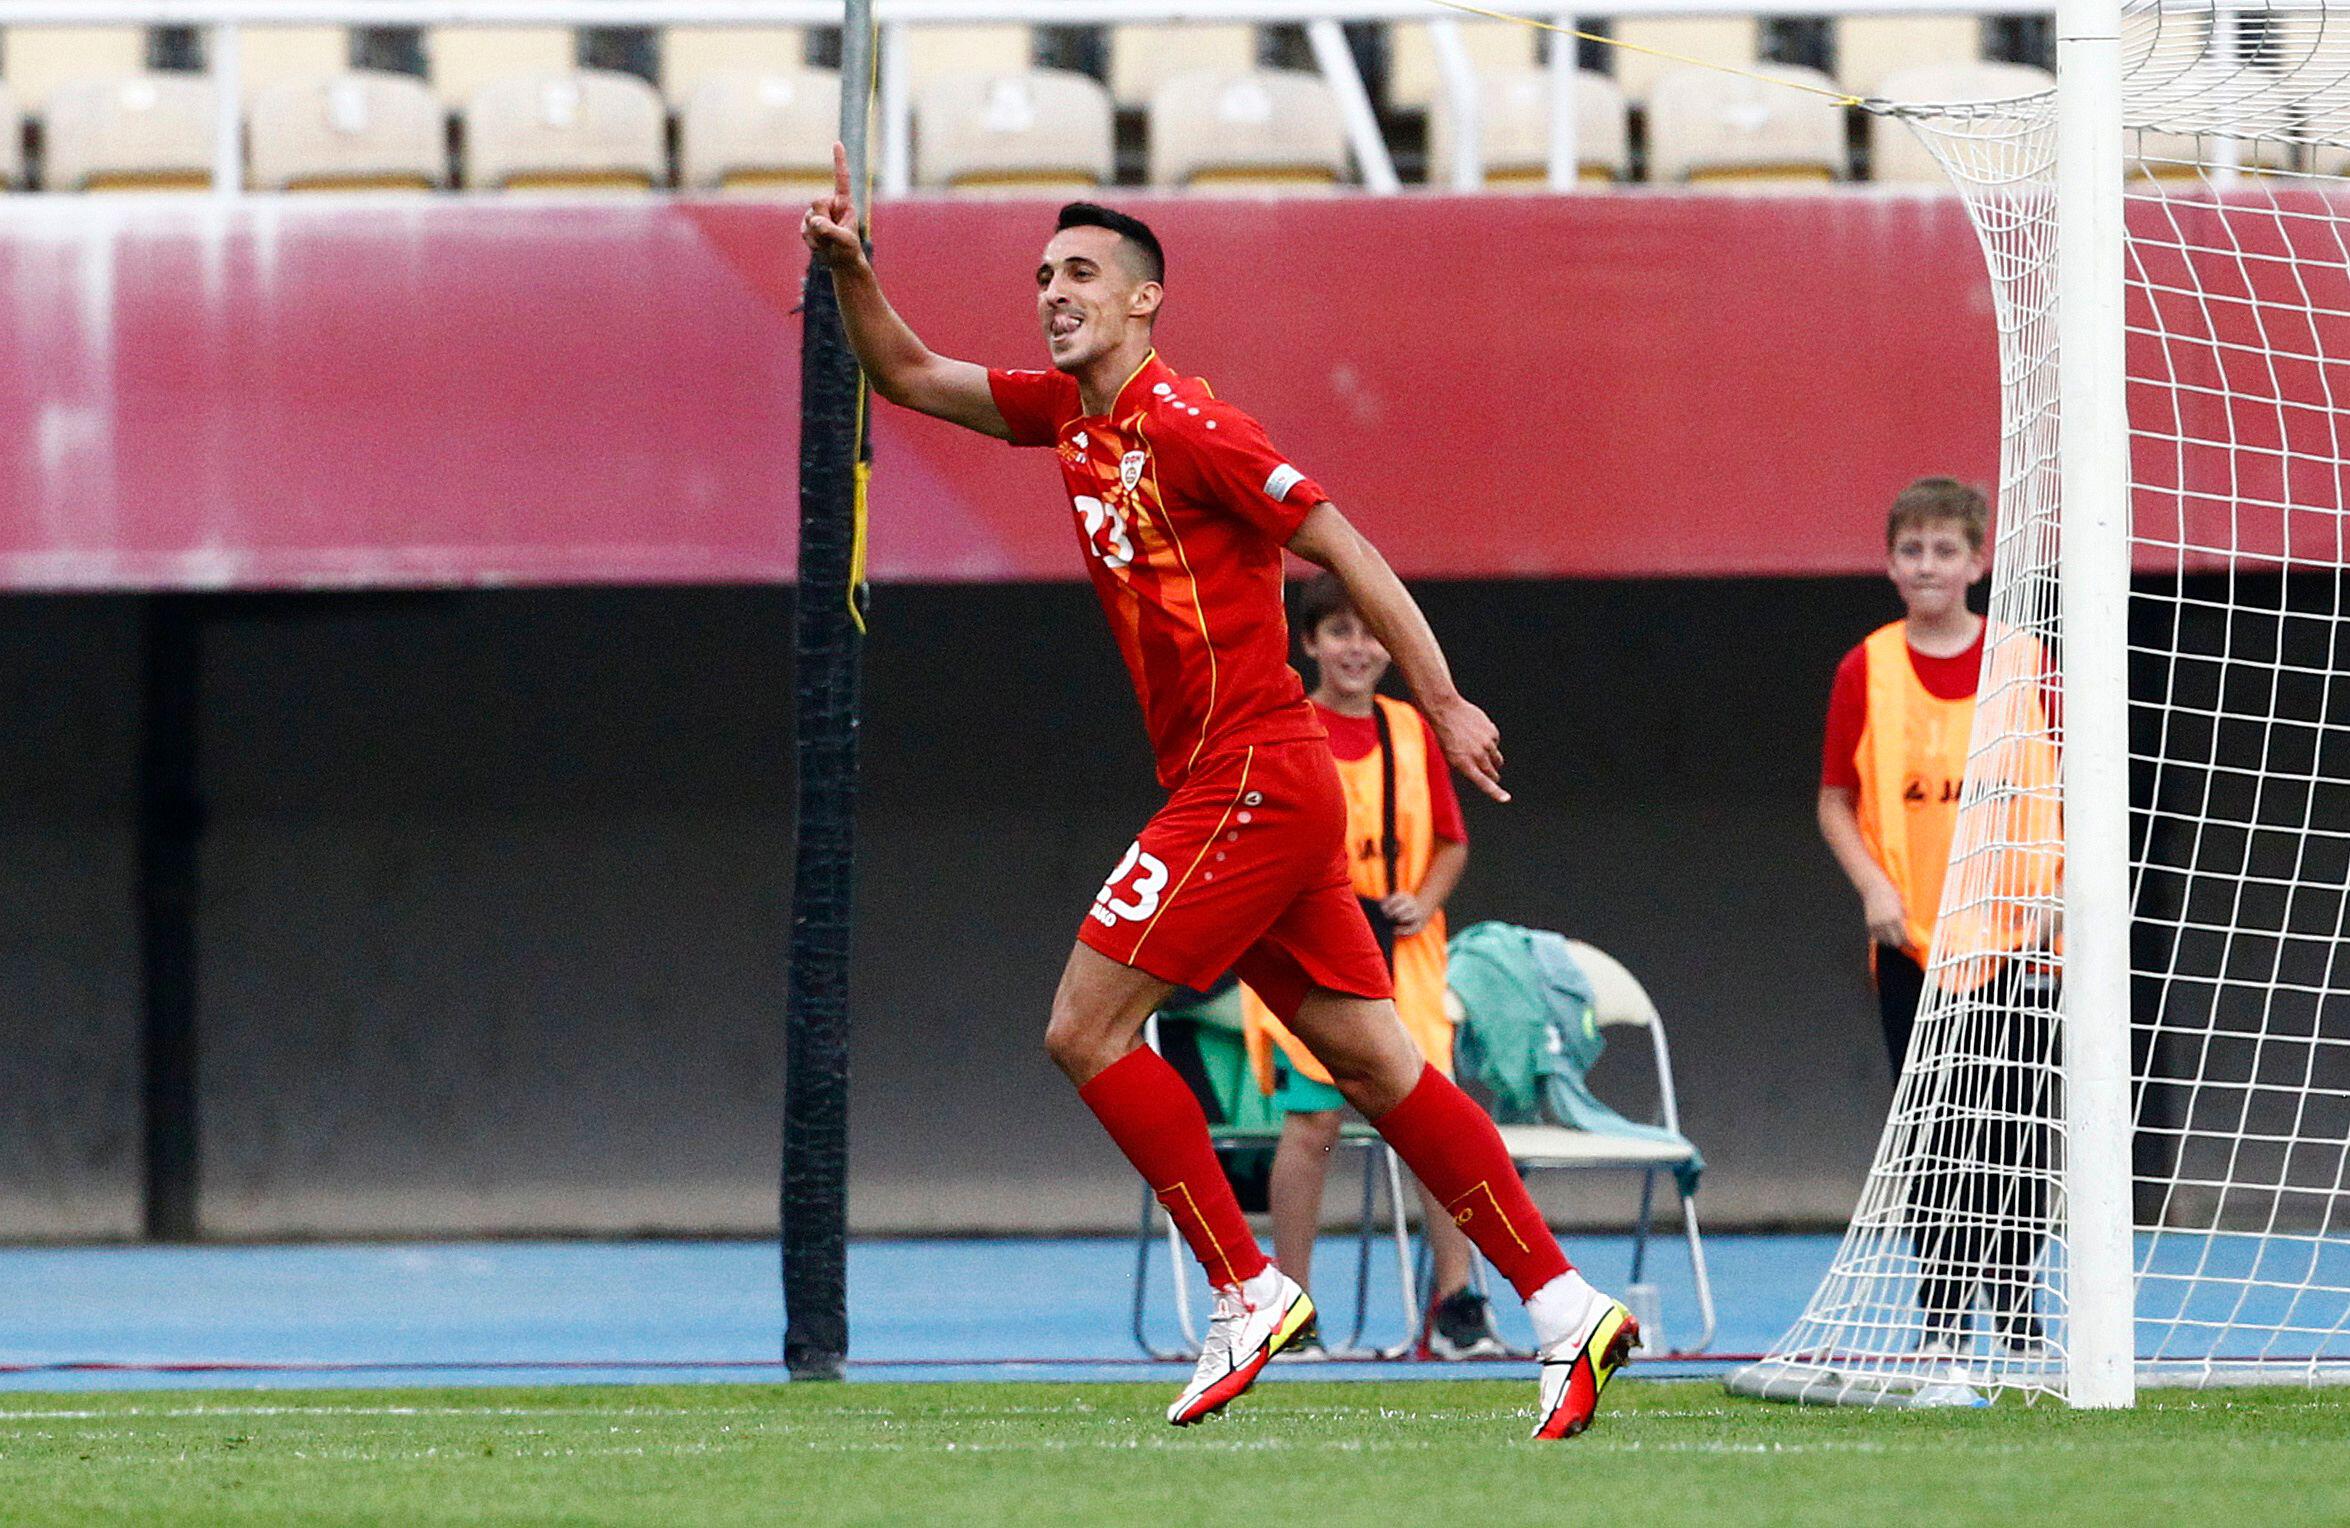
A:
x: 830, y: 228
x: 1887, y: 915
x: 1407, y: 913
x: 1471, y: 743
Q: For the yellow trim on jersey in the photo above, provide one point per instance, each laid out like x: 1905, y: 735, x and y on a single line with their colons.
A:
x: 1246, y: 760
x: 1419, y: 962
x: 1111, y: 413
x: 1199, y: 612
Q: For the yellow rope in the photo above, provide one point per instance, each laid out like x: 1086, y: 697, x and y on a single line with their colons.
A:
x: 862, y: 497
x: 860, y: 466
x: 1540, y: 25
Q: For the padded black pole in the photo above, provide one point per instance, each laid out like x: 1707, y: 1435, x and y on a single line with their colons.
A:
x: 170, y: 828
x: 829, y: 648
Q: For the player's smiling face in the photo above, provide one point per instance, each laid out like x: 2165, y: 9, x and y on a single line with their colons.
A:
x: 1090, y: 297
x: 1933, y: 565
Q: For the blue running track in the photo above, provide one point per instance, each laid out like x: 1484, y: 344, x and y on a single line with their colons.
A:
x: 609, y: 1312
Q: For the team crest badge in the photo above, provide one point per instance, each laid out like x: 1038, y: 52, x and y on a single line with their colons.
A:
x: 1130, y: 469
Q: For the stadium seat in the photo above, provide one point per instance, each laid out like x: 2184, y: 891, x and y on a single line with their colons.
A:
x: 2160, y: 42
x: 1036, y: 130
x: 11, y: 142
x: 1262, y: 130
x: 2326, y: 115
x: 2174, y: 65
x: 1514, y: 123
x: 1870, y: 48
x: 586, y: 130
x: 1896, y: 154
x: 933, y: 51
x: 150, y: 132
x: 1143, y: 58
x: 358, y: 131
x: 271, y: 56
x: 1710, y: 128
x: 1414, y: 83
x: 2175, y: 156
x: 2251, y: 101
x: 690, y: 55
x: 760, y: 134
x: 1733, y: 40
x: 460, y: 60
x: 36, y: 61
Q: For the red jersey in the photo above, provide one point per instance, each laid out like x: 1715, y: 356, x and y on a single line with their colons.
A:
x: 1353, y: 737
x: 1182, y: 507
x: 1951, y: 678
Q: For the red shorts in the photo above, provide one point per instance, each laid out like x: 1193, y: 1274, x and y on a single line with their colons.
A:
x: 1244, y: 869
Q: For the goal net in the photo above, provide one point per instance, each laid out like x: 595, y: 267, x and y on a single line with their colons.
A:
x: 1961, y: 1274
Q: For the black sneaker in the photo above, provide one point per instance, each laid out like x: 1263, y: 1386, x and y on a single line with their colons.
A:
x: 1306, y: 1347
x: 1459, y: 1326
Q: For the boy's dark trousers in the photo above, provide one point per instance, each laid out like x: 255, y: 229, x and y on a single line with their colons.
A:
x: 1980, y: 1187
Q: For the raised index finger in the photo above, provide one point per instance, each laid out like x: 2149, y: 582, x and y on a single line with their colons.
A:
x: 840, y: 171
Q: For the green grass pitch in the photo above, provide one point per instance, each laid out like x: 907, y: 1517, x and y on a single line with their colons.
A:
x: 1303, y: 1453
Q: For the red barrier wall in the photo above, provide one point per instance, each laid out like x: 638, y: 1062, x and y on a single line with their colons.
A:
x: 368, y: 394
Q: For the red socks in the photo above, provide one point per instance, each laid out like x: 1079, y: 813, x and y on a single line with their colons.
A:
x: 1150, y: 1113
x: 1449, y: 1144
x: 1442, y: 1136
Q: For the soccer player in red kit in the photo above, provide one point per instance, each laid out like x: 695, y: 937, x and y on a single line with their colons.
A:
x: 1182, y: 508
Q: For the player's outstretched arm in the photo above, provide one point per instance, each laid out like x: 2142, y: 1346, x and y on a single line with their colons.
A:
x: 901, y: 368
x: 1470, y: 739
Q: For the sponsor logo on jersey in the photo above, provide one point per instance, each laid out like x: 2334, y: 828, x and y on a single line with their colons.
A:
x: 1918, y: 791
x: 1283, y: 478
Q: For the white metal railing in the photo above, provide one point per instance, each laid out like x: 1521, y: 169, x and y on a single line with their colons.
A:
x: 223, y: 20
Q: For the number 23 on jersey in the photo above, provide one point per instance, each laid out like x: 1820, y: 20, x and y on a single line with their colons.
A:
x: 1105, y: 531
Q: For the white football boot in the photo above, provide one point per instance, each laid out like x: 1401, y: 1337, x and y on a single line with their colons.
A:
x: 1580, y: 1352
x: 1254, y: 1320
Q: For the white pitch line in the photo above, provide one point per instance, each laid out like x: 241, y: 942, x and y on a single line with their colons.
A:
x: 7, y: 1415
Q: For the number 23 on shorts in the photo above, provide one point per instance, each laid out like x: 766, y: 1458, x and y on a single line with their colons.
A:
x: 1132, y: 891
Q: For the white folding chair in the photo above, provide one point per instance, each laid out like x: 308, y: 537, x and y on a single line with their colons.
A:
x: 1620, y: 1002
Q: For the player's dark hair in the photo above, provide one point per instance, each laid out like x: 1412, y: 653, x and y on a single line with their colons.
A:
x: 1132, y: 229
x: 1318, y: 599
x: 1940, y: 501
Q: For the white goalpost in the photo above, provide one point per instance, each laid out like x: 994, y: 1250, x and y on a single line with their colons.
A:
x: 2119, y: 1152
x: 2093, y: 583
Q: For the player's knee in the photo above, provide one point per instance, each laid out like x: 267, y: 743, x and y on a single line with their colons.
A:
x: 1375, y: 1067
x: 1062, y: 1042
x: 1076, y: 1045
x: 1376, y: 1078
